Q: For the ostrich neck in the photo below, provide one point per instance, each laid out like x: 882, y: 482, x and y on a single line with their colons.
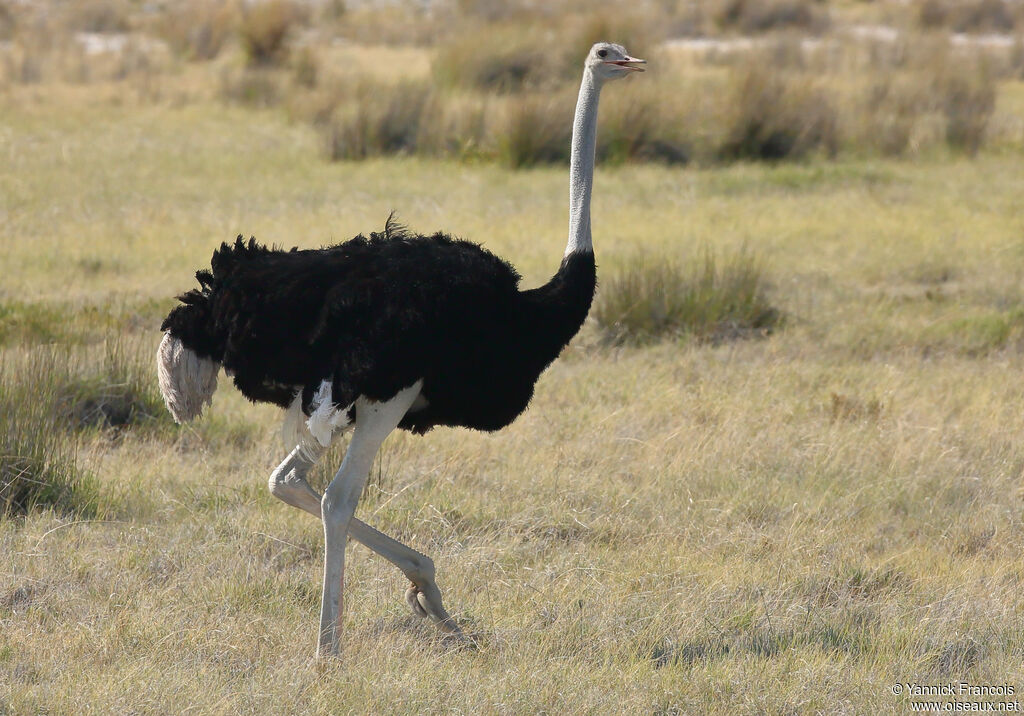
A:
x: 581, y: 165
x: 550, y: 315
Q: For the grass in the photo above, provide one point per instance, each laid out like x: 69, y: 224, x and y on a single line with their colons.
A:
x: 755, y: 526
x: 51, y: 396
x: 265, y: 28
x: 501, y: 60
x: 715, y: 300
x: 117, y: 392
x: 762, y: 15
x: 482, y: 91
x: 777, y: 117
x: 38, y: 465
x: 783, y: 525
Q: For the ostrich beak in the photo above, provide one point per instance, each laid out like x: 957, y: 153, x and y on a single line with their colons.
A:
x: 628, y: 63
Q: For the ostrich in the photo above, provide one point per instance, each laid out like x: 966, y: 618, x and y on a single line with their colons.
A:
x: 392, y: 331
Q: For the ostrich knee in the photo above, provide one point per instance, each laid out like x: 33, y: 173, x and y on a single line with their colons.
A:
x: 288, y: 483
x: 421, y: 570
x: 278, y: 482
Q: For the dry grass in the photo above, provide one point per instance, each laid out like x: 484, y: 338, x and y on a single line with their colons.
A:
x: 39, y: 468
x: 378, y: 120
x: 504, y: 59
x: 979, y: 16
x: 491, y: 95
x: 785, y: 525
x: 715, y: 299
x: 968, y: 100
x: 50, y: 393
x: 535, y: 129
x: 265, y: 29
x: 776, y: 117
x: 198, y: 29
x: 751, y: 16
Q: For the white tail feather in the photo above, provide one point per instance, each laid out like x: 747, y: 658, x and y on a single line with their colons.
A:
x: 326, y: 417
x: 187, y: 381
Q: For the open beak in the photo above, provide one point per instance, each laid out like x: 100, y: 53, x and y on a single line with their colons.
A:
x: 629, y: 63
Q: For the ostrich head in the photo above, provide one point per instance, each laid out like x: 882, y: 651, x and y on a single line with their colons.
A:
x: 609, y: 61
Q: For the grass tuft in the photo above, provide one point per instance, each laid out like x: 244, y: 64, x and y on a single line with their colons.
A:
x: 117, y: 393
x: 38, y: 463
x: 968, y: 100
x: 535, y: 130
x: 713, y: 301
x: 49, y: 394
x: 265, y: 30
x: 778, y: 117
x: 750, y: 16
x: 642, y: 128
x: 500, y: 58
x: 99, y: 16
x: 378, y: 121
x: 198, y: 29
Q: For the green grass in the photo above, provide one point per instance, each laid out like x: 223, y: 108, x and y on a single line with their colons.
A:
x: 75, y: 322
x: 712, y: 300
x: 785, y: 525
x: 53, y: 394
x: 39, y: 465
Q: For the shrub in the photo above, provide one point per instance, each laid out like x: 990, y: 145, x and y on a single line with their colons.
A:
x: 750, y: 16
x: 306, y: 68
x: 932, y: 14
x: 535, y: 129
x: 8, y: 23
x: 502, y: 58
x: 983, y: 16
x: 642, y: 126
x: 967, y: 100
x: 711, y: 301
x: 102, y: 16
x: 970, y: 16
x: 199, y: 29
x: 378, y: 121
x: 455, y: 127
x: 386, y: 23
x: 778, y: 117
x: 892, y: 108
x: 265, y: 28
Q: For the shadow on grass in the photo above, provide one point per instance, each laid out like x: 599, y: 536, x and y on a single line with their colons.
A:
x: 761, y: 642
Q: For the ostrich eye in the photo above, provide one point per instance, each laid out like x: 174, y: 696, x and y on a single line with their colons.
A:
x: 602, y: 53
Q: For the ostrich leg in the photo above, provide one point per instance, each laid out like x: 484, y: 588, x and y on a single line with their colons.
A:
x: 374, y: 422
x: 288, y: 483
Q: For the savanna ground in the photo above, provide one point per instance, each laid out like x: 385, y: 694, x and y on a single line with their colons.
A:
x: 787, y: 523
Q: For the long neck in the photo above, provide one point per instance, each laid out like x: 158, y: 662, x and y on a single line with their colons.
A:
x: 552, y: 314
x: 581, y: 165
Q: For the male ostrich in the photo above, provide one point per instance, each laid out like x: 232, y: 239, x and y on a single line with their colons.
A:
x: 394, y: 330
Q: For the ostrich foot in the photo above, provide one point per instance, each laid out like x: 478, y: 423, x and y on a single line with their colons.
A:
x: 425, y: 601
x: 412, y: 599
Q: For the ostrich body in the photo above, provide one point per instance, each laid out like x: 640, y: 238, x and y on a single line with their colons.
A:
x: 391, y: 331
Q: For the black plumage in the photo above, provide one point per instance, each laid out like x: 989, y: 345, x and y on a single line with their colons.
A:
x: 375, y: 314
